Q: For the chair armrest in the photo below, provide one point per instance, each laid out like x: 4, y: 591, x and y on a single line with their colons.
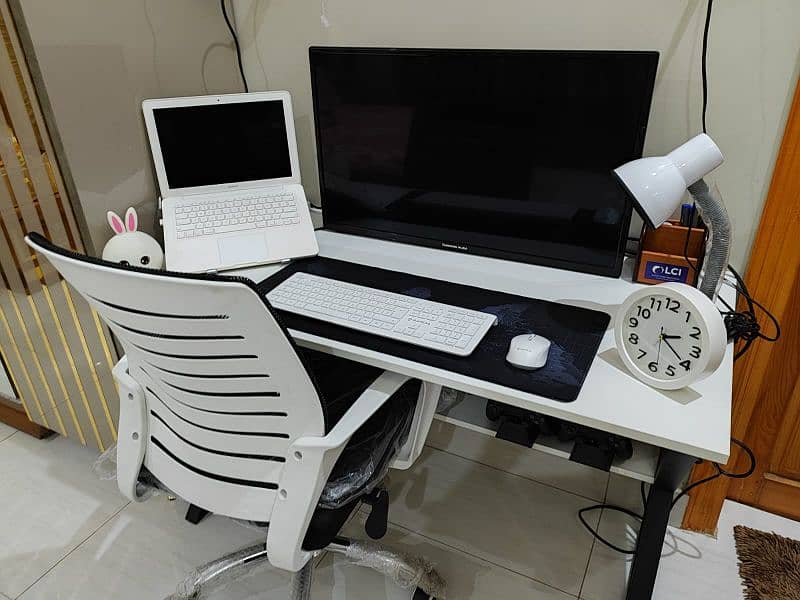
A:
x: 132, y: 430
x: 309, y: 463
x: 367, y: 404
x: 120, y: 370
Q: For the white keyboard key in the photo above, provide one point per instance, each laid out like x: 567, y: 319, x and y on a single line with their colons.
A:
x: 236, y: 227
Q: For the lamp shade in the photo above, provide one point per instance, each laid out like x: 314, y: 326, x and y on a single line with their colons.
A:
x: 657, y: 184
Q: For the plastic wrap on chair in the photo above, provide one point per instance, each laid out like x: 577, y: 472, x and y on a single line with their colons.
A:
x: 218, y: 574
x: 105, y: 468
x: 365, y: 462
x: 407, y: 571
x: 301, y: 582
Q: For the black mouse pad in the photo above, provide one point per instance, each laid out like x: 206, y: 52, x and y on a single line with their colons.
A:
x: 575, y: 332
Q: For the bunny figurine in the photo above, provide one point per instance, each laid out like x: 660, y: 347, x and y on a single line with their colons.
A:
x: 131, y: 247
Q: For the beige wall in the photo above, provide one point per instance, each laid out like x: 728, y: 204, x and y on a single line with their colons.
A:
x: 753, y: 64
x: 99, y: 59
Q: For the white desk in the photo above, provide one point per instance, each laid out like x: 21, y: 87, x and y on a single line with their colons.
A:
x: 610, y: 399
x: 684, y: 425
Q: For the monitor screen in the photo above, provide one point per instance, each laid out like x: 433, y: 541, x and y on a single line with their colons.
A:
x: 494, y: 152
x: 214, y: 144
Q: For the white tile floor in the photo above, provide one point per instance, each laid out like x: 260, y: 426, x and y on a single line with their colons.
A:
x: 5, y: 431
x: 492, y: 534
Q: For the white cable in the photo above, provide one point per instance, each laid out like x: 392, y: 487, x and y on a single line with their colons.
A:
x: 326, y: 22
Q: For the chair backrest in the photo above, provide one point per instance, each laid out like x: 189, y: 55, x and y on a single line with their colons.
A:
x: 226, y: 391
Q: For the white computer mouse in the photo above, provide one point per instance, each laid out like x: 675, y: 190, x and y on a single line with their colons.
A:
x: 528, y: 351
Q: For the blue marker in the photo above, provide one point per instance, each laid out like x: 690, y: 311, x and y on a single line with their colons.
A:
x: 687, y: 214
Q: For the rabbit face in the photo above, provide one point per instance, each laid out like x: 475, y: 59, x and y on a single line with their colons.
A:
x: 136, y: 249
x: 131, y: 247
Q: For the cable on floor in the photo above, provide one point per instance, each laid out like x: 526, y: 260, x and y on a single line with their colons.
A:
x: 720, y: 472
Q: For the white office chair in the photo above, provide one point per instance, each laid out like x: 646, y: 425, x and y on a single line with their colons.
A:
x: 220, y: 407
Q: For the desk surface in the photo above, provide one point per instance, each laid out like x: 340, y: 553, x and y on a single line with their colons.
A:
x: 695, y: 421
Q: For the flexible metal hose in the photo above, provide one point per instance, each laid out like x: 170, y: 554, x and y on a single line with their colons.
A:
x: 715, y: 216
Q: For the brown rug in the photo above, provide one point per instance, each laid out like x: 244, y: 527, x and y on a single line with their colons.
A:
x: 769, y: 564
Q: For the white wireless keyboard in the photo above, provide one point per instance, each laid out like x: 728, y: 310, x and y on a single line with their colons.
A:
x: 254, y: 211
x: 404, y: 318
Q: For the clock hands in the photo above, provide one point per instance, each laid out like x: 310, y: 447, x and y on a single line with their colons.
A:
x: 660, y: 338
x: 666, y: 341
x: 670, y: 337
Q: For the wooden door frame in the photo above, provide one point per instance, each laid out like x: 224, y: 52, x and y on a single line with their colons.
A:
x: 771, y: 275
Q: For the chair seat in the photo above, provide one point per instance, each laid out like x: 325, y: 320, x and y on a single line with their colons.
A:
x: 365, y: 459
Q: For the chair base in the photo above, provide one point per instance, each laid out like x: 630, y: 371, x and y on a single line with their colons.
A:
x: 407, y: 571
x: 195, y: 514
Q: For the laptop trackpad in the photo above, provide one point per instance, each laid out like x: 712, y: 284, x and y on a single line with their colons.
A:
x: 242, y: 249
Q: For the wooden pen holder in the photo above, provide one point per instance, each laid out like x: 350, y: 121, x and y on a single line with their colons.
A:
x: 661, y: 254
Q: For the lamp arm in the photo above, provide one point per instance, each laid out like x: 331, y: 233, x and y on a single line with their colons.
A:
x: 715, y: 216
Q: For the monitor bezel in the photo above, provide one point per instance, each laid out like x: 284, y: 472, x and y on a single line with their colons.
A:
x: 612, y: 270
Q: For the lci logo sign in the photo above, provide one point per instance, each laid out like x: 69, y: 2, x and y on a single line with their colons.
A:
x: 665, y: 272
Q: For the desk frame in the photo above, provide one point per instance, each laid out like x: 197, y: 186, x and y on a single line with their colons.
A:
x: 673, y: 469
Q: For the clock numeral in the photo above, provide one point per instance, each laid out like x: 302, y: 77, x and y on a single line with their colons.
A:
x: 643, y: 312
x: 673, y: 305
x: 695, y: 333
x: 633, y: 322
x: 633, y: 338
x: 688, y: 315
x: 655, y: 304
x: 670, y: 370
x: 686, y: 364
x: 653, y: 366
x: 695, y: 353
x: 642, y: 354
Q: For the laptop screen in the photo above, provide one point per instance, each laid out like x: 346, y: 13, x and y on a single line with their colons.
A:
x: 216, y: 144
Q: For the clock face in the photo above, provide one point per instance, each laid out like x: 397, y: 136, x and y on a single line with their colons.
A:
x: 663, y: 336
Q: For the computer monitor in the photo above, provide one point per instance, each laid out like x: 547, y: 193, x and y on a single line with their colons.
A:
x: 504, y: 153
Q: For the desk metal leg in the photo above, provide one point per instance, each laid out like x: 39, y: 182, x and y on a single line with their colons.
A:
x: 673, y: 468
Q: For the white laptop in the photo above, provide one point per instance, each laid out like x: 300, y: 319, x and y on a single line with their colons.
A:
x: 229, y: 179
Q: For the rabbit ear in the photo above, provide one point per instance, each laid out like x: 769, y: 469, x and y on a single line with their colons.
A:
x: 115, y: 222
x: 131, y: 219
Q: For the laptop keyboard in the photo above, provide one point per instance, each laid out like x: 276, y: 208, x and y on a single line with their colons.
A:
x: 251, y: 211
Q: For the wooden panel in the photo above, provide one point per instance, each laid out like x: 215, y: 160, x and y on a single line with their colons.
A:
x: 786, y: 454
x: 58, y: 354
x: 778, y: 497
x: 16, y: 417
x: 770, y: 405
x: 765, y: 378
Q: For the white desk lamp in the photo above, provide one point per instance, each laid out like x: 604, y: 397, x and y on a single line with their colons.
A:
x: 672, y: 334
x: 657, y: 185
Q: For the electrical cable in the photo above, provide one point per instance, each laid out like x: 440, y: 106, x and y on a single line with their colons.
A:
x: 740, y: 325
x: 704, y: 63
x: 720, y: 472
x: 599, y: 537
x: 235, y: 43
x: 744, y: 325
